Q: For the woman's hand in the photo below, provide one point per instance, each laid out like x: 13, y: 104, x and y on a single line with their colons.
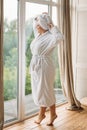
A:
x: 51, y: 25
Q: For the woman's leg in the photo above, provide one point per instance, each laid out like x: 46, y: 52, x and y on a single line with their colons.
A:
x: 53, y: 115
x: 41, y: 115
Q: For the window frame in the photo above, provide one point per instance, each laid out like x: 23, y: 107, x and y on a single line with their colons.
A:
x: 21, y: 51
x: 22, y: 4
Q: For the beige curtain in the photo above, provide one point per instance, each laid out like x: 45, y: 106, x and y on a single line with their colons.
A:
x: 65, y: 56
x: 1, y: 67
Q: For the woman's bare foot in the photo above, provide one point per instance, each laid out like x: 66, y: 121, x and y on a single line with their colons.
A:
x: 52, y: 120
x: 40, y: 118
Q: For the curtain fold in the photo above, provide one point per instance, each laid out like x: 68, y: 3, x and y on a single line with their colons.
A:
x: 1, y: 67
x: 65, y: 55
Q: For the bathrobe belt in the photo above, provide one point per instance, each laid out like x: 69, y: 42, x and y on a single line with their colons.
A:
x: 37, y: 62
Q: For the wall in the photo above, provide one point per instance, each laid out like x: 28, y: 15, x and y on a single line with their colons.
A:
x: 79, y: 48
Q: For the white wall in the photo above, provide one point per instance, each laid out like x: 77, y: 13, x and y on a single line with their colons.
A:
x: 79, y: 48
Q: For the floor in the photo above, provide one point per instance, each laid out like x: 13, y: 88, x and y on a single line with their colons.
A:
x: 67, y: 120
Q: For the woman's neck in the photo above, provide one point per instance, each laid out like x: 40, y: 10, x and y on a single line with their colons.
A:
x: 43, y: 31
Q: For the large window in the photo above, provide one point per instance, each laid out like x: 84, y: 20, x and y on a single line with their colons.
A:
x: 18, y: 35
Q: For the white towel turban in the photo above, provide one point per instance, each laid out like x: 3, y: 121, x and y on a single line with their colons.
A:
x: 43, y: 20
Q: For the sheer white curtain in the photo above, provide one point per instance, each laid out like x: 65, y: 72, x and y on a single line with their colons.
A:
x: 65, y: 55
x: 1, y: 67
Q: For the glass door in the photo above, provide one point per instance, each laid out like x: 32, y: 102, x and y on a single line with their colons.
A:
x: 10, y: 49
x: 60, y: 98
x: 31, y: 10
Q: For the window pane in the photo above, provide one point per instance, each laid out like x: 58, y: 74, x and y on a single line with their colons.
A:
x: 10, y: 59
x: 32, y: 10
x: 58, y: 90
x: 54, y: 15
x: 55, y: 0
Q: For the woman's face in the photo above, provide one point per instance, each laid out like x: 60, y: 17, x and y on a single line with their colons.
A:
x: 39, y: 29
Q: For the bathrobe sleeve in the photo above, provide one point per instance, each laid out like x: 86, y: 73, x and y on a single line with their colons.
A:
x: 58, y: 36
x: 55, y: 38
x: 52, y: 40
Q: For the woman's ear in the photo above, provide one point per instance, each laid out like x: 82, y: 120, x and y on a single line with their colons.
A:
x: 50, y: 25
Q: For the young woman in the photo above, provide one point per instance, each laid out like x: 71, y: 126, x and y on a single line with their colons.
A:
x: 47, y: 37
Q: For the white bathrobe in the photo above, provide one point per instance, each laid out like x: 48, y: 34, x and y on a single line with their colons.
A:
x: 42, y: 68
